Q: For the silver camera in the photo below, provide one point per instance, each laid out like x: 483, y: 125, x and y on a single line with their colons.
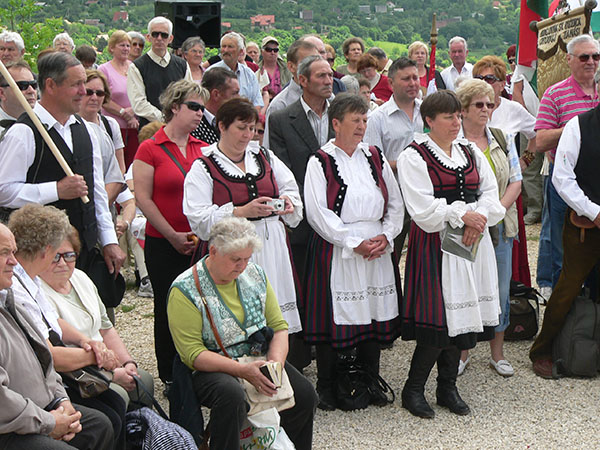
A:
x: 278, y: 204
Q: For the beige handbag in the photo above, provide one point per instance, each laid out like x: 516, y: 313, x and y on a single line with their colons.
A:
x: 284, y: 399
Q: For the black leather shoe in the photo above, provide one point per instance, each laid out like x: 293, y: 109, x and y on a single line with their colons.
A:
x: 416, y: 404
x: 451, y: 400
x: 327, y: 400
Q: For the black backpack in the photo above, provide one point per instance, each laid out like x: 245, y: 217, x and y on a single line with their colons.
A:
x: 575, y: 351
x: 524, y: 312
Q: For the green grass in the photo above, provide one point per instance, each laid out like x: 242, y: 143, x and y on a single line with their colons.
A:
x: 127, y: 308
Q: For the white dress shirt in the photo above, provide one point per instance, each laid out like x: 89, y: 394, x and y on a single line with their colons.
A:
x: 136, y: 90
x: 247, y: 80
x: 17, y: 153
x: 390, y: 128
x: 450, y: 74
x: 29, y: 294
x: 563, y: 177
x: 319, y: 125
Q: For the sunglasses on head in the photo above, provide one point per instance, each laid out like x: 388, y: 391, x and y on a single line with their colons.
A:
x: 68, y: 257
x: 24, y: 85
x: 271, y: 49
x: 98, y: 92
x: 480, y: 105
x: 194, y: 106
x: 584, y: 57
x: 487, y: 78
x: 162, y: 34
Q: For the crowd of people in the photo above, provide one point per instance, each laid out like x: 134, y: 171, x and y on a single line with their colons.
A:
x: 266, y: 201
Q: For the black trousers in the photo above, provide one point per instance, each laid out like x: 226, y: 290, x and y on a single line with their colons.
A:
x: 113, y: 407
x: 164, y: 264
x: 225, y: 397
x: 96, y: 434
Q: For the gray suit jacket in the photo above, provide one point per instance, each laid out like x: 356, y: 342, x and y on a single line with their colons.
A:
x: 293, y: 141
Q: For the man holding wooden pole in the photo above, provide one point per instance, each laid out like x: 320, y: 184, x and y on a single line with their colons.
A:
x: 29, y: 173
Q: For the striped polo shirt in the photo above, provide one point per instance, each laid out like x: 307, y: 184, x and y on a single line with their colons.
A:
x: 561, y: 102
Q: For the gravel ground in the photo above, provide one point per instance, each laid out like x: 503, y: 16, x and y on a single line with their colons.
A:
x: 523, y: 411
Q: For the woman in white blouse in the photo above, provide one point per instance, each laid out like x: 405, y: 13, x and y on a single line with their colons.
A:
x: 238, y: 177
x: 353, y: 204
x: 450, y: 301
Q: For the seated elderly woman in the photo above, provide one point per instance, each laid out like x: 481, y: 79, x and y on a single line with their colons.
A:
x: 39, y: 231
x: 241, y: 302
x: 75, y: 298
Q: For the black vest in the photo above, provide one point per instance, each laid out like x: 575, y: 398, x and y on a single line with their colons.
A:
x: 588, y: 163
x: 45, y: 168
x: 157, y: 78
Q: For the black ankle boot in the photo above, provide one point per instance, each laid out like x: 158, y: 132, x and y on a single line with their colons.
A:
x: 450, y: 398
x: 414, y: 401
x: 327, y: 399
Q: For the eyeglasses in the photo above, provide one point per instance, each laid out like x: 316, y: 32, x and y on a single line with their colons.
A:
x: 194, y: 106
x: 162, y: 34
x: 260, y: 131
x: 584, y: 57
x: 23, y: 85
x: 98, y: 92
x: 511, y: 60
x: 68, y: 257
x: 271, y: 49
x: 137, y: 44
x: 330, y: 60
x: 480, y: 105
x: 487, y: 78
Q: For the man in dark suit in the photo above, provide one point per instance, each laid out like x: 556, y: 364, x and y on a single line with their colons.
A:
x: 222, y: 84
x: 299, y: 130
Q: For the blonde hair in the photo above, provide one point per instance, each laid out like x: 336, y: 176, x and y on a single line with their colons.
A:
x: 116, y: 38
x: 417, y: 45
x: 175, y: 94
x: 470, y: 89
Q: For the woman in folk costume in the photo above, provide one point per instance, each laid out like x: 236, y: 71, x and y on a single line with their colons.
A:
x: 237, y: 177
x: 451, y: 301
x: 354, y: 205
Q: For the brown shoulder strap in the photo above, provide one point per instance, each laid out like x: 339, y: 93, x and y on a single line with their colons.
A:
x: 208, y: 314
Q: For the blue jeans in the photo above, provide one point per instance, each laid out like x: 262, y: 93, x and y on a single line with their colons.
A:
x: 504, y: 262
x: 557, y: 209
x: 544, y: 262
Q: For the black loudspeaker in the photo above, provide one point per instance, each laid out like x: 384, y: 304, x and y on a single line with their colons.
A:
x: 192, y: 18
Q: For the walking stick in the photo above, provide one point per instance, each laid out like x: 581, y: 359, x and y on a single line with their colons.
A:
x: 47, y: 139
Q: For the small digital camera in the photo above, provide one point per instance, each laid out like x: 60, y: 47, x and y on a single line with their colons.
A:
x: 278, y: 204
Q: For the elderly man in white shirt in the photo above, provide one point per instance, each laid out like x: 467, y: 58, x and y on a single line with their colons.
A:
x: 30, y: 174
x: 458, y: 51
x: 150, y: 74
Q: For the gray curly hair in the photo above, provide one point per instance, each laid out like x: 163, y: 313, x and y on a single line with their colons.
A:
x: 233, y: 234
x: 36, y: 226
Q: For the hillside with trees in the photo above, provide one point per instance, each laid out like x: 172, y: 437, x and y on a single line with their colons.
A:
x: 489, y: 26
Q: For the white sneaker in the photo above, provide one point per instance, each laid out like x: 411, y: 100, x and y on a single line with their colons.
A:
x: 503, y: 367
x: 462, y: 365
x: 145, y: 289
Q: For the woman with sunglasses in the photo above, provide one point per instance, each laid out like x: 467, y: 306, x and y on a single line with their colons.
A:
x: 512, y: 118
x: 75, y: 298
x: 477, y: 100
x: 451, y: 299
x: 160, y: 166
x: 237, y: 177
x: 118, y: 106
x: 274, y: 66
x: 97, y: 93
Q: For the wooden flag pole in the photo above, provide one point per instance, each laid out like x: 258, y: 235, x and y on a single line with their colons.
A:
x: 36, y: 121
x: 433, y: 42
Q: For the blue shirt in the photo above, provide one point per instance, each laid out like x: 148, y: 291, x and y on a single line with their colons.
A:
x: 247, y: 80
